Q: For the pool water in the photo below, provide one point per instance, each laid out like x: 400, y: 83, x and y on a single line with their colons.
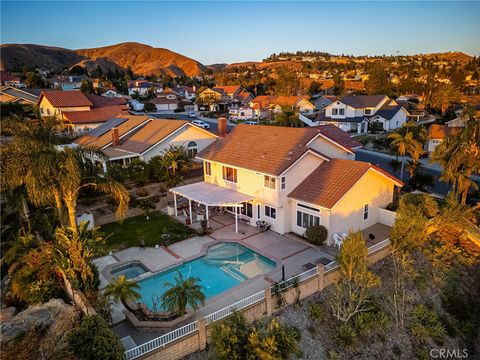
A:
x: 224, y: 266
x: 130, y: 271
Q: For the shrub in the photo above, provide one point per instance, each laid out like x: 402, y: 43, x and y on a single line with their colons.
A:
x: 369, y: 322
x: 149, y: 107
x: 316, y: 311
x: 346, y: 336
x: 316, y: 234
x: 93, y: 339
x: 426, y: 324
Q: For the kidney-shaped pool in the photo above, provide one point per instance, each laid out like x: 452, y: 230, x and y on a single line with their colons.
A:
x: 224, y: 266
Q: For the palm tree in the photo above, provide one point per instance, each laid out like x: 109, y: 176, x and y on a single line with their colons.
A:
x: 175, y: 161
x: 459, y: 156
x: 444, y: 96
x: 407, y: 144
x: 124, y: 291
x: 184, y: 292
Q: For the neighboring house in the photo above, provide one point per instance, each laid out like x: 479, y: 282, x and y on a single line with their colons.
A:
x: 142, y: 87
x: 437, y: 133
x: 187, y: 92
x: 11, y: 80
x: 292, y: 178
x: 266, y: 106
x: 80, y: 112
x: 166, y: 101
x: 111, y: 93
x: 127, y: 137
x: 353, y: 113
x: 241, y: 114
x: 324, y: 101
x: 64, y: 82
x: 219, y: 97
x: 12, y: 94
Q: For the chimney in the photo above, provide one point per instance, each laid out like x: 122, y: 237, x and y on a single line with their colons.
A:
x: 115, y: 137
x: 222, y: 126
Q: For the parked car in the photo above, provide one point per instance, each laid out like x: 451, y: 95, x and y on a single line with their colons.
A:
x: 202, y: 124
x: 192, y: 114
x: 250, y: 122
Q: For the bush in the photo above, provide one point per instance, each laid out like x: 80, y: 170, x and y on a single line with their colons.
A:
x: 93, y: 339
x: 316, y: 311
x: 346, y: 336
x: 426, y: 324
x: 316, y: 234
x: 149, y: 107
x: 369, y: 322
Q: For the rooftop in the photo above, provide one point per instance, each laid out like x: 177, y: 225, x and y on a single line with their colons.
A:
x: 61, y: 99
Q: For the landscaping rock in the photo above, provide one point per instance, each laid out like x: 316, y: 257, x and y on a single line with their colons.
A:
x: 37, y: 317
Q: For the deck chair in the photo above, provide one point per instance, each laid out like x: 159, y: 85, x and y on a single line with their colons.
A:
x: 337, y: 240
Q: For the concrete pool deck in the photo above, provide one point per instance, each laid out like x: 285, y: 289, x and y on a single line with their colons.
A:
x: 288, y: 251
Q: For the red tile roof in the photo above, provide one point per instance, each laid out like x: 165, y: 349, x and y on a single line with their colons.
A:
x: 331, y: 180
x: 227, y: 89
x: 61, y: 99
x: 339, y: 136
x: 437, y: 131
x: 267, y: 149
x: 102, y: 101
x: 97, y: 115
x: 267, y: 100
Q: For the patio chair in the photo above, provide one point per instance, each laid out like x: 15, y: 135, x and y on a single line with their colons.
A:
x: 338, y: 240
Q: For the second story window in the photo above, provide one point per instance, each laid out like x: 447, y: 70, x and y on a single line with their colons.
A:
x: 283, y: 183
x: 269, y: 182
x: 208, y: 168
x: 368, y: 111
x: 334, y: 111
x: 365, y: 212
x: 229, y: 174
x: 341, y: 111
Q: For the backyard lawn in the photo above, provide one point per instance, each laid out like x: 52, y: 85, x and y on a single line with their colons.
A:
x: 127, y: 234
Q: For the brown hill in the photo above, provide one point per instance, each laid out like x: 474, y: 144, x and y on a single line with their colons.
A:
x: 145, y: 59
x: 14, y: 57
x: 451, y: 56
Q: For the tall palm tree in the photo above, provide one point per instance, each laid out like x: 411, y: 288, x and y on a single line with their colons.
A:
x: 175, y: 161
x: 124, y: 291
x: 444, y: 96
x: 182, y: 293
x: 459, y: 156
x: 407, y: 144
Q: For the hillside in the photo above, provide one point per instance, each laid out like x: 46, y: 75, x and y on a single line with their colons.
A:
x: 14, y: 57
x: 451, y: 56
x: 145, y: 59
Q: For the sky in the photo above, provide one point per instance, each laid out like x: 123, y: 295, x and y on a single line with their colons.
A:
x: 229, y: 31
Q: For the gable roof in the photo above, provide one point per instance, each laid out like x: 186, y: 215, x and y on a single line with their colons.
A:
x: 267, y: 149
x: 102, y: 101
x: 227, y: 89
x: 150, y: 134
x: 264, y: 101
x: 388, y: 111
x: 331, y: 180
x: 362, y: 101
x: 96, y: 115
x: 338, y: 136
x: 61, y: 99
x: 102, y: 135
x: 19, y: 94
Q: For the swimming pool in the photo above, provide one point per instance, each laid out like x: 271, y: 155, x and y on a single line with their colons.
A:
x: 130, y: 271
x: 224, y: 266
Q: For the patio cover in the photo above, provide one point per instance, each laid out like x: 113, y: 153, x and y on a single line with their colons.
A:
x: 211, y: 195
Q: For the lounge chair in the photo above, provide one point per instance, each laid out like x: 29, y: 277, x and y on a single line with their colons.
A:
x: 338, y: 240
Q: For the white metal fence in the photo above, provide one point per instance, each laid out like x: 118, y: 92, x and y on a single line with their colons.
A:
x: 288, y: 283
x: 378, y: 246
x: 220, y: 314
x: 160, y: 341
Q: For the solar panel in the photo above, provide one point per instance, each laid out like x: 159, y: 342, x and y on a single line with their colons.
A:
x: 106, y: 126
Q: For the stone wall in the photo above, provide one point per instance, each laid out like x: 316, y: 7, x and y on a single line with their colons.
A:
x: 198, y: 339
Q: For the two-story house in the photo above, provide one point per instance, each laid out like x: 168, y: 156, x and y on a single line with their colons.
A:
x: 291, y: 178
x: 265, y: 106
x: 219, y: 97
x: 353, y: 113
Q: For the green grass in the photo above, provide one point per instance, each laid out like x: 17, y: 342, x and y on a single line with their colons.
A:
x: 127, y: 233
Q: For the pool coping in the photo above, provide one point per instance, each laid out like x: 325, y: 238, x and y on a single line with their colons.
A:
x: 106, y: 272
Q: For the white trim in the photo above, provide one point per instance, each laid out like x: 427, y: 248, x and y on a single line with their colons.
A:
x: 333, y: 142
x: 380, y: 173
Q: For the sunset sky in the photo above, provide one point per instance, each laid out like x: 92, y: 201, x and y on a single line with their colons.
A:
x: 217, y: 32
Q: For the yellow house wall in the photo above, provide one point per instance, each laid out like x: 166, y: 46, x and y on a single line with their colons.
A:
x: 45, y: 104
x: 182, y: 138
x: 372, y: 189
x: 331, y: 150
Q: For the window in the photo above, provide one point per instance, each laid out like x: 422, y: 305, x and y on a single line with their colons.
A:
x: 208, y: 168
x: 269, y: 182
x: 229, y: 174
x: 258, y: 211
x: 305, y: 220
x: 192, y: 149
x: 365, y: 212
x: 283, y: 183
x: 341, y: 111
x: 270, y: 212
x: 334, y: 111
x: 247, y: 209
x: 368, y: 111
x: 308, y: 207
